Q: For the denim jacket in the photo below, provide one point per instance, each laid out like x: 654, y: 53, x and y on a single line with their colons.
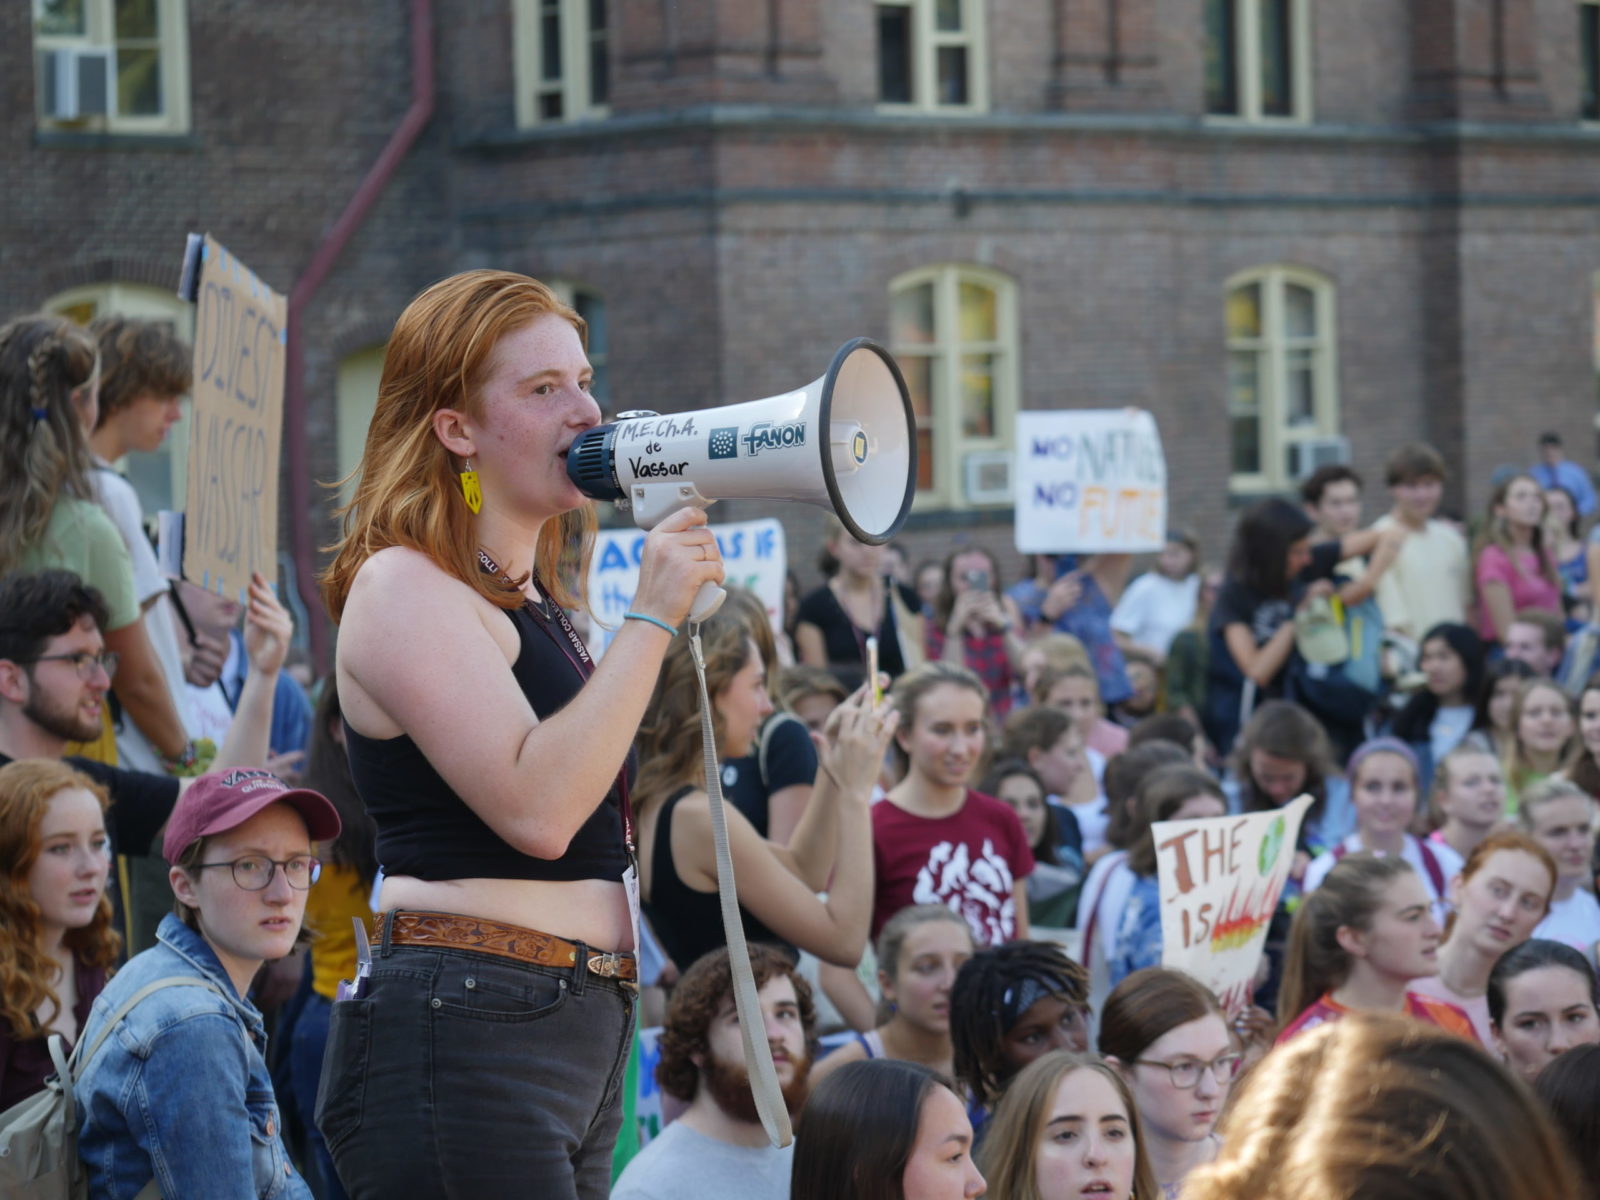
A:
x: 180, y: 1091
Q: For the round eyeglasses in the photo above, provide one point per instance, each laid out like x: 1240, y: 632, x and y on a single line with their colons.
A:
x: 255, y: 872
x: 1186, y: 1072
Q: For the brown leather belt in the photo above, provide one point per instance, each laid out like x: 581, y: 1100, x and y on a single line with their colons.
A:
x: 453, y: 931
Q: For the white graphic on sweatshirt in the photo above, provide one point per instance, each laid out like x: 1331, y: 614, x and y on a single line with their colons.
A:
x: 979, y: 889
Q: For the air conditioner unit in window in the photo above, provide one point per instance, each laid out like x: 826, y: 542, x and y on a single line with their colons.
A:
x: 77, y: 83
x: 988, y: 476
x: 1306, y: 455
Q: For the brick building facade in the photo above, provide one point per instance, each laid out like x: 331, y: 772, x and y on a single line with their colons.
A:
x: 1266, y: 221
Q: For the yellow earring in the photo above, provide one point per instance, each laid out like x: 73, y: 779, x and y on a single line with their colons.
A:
x: 469, y: 488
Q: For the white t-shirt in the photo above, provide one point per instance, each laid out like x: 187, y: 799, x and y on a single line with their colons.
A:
x: 681, y: 1164
x: 117, y: 497
x: 1575, y: 921
x: 1154, y: 609
x: 1093, y: 816
x: 1447, y: 860
x: 1103, y: 899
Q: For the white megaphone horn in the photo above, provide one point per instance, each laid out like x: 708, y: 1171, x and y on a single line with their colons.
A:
x: 846, y: 442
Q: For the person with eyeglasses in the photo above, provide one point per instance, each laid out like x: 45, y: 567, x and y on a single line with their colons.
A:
x: 55, y: 672
x: 180, y: 1092
x: 1165, y: 1034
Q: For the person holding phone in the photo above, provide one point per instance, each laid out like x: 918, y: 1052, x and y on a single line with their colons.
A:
x: 974, y: 625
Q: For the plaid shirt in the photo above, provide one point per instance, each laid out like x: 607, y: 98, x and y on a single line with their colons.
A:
x: 985, y: 656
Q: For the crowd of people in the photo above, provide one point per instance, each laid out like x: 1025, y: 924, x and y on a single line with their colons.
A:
x: 946, y: 873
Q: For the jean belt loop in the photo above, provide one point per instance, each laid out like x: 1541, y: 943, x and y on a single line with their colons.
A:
x: 580, y: 970
x: 386, y: 932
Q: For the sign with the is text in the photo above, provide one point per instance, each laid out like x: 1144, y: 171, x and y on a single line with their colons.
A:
x: 1089, y: 480
x: 231, y: 512
x: 1220, y: 880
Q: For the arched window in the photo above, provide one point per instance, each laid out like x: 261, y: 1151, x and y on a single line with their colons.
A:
x: 932, y: 56
x: 1283, y: 399
x: 160, y: 477
x: 954, y: 332
x: 112, y: 65
x: 562, y: 60
x: 1258, y: 59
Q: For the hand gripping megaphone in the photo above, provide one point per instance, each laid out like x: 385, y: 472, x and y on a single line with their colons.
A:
x: 846, y: 442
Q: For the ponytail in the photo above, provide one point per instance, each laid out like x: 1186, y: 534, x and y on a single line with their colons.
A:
x: 1349, y: 896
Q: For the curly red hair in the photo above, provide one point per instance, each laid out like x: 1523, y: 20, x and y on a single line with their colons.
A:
x: 26, y: 971
x: 696, y: 1000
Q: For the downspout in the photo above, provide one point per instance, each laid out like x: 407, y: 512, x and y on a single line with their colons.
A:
x: 301, y: 536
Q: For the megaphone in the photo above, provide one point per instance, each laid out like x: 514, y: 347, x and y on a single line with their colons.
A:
x: 846, y: 442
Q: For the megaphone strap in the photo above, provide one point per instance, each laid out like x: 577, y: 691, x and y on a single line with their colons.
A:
x: 764, y: 1087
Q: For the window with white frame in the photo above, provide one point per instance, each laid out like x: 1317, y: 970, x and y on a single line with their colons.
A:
x: 119, y: 66
x: 563, y: 64
x: 1589, y: 58
x: 932, y: 56
x: 160, y: 477
x: 1258, y: 59
x: 355, y: 400
x: 953, y: 330
x: 591, y: 306
x: 1283, y: 401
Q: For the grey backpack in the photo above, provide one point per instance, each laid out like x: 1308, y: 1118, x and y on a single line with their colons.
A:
x: 39, y: 1135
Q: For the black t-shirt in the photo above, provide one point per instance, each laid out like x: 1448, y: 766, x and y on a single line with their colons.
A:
x: 1238, y: 604
x: 791, y: 759
x: 847, y: 644
x: 140, y: 802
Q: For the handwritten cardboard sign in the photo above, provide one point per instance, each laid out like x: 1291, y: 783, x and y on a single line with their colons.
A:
x: 1220, y: 879
x: 754, y: 556
x: 1089, y: 480
x: 231, y: 514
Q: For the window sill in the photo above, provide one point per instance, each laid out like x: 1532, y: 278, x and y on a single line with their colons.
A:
x: 83, y: 139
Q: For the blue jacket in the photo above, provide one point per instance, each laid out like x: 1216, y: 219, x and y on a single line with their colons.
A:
x: 180, y: 1091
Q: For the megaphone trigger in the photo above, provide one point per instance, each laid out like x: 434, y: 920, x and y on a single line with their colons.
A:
x: 846, y: 442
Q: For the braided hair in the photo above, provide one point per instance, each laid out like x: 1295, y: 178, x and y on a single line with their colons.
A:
x: 992, y: 990
x: 44, y: 450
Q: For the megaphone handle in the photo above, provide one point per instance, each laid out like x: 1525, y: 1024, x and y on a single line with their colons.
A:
x: 706, y: 601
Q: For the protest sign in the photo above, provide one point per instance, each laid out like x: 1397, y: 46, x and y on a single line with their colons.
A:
x: 231, y: 513
x: 753, y: 556
x: 1089, y: 480
x: 1220, y: 879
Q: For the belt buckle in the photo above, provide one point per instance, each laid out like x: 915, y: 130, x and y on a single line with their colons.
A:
x: 607, y: 965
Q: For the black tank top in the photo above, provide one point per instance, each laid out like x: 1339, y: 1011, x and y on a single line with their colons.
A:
x: 687, y: 923
x: 427, y: 831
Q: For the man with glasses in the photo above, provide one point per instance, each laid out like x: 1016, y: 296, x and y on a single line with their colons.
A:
x: 55, y: 673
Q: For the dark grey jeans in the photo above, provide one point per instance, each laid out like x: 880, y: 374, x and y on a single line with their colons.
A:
x: 466, y: 1075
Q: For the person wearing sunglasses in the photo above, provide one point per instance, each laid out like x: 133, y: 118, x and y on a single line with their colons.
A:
x: 1164, y: 1033
x: 180, y: 1092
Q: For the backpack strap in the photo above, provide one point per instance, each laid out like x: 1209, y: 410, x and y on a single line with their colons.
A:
x: 77, y: 1065
x: 1117, y: 857
x: 1431, y: 864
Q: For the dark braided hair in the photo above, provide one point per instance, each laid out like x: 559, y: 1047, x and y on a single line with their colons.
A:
x: 986, y: 1003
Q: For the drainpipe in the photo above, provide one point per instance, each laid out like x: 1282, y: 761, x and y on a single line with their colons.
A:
x: 301, y: 535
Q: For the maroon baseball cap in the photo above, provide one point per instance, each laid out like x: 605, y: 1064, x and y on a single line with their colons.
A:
x: 224, y: 800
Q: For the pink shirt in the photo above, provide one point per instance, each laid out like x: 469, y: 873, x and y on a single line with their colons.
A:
x: 1528, y: 585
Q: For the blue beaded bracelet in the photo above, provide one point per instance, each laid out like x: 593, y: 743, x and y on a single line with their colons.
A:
x: 656, y: 621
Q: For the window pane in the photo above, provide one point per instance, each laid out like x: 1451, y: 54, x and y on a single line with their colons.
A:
x: 1277, y: 61
x: 1300, y: 405
x: 1299, y: 311
x: 952, y: 75
x: 550, y: 43
x: 550, y: 106
x: 1589, y: 36
x: 918, y: 370
x: 977, y: 395
x: 1244, y: 382
x: 1222, y: 76
x: 597, y: 16
x: 948, y: 16
x: 138, y: 82
x: 592, y: 309
x: 1244, y: 311
x: 977, y: 309
x: 894, y: 54
x: 1246, y: 445
x: 599, y: 71
x: 137, y: 19
x: 60, y: 17
x: 911, y: 315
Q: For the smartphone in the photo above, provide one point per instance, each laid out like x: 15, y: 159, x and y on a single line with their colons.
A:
x: 978, y: 580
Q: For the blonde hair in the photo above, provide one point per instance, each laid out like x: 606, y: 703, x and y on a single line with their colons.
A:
x: 1385, y: 1107
x: 44, y: 452
x: 1444, y: 777
x: 409, y: 494
x: 1517, y: 769
x: 1008, y: 1153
